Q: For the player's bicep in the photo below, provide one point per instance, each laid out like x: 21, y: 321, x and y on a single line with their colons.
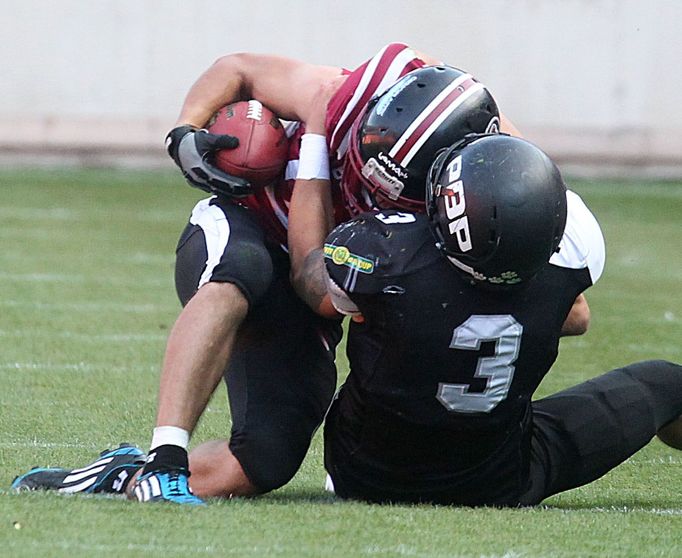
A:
x: 284, y: 85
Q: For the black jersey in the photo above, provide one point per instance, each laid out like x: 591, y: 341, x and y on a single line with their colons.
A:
x: 437, y: 403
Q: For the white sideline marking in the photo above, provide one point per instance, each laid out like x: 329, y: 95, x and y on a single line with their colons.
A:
x: 156, y: 549
x: 91, y: 306
x: 141, y: 258
x: 79, y: 279
x: 669, y: 460
x: 37, y: 214
x: 626, y: 509
x: 652, y: 349
x: 73, y: 367
x: 109, y: 337
x: 45, y: 445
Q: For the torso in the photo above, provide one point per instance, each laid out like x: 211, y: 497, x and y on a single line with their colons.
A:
x: 442, y: 372
x: 270, y: 205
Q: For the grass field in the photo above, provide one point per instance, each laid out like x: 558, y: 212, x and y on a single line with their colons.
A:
x: 87, y: 300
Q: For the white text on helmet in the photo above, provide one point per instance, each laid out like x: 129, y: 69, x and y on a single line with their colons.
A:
x: 455, y: 205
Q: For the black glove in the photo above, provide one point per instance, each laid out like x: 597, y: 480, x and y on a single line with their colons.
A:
x: 190, y: 148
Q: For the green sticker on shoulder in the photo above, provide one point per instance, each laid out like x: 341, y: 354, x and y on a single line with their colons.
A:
x: 340, y: 255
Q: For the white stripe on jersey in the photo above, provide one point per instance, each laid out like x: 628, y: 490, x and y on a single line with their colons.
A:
x: 272, y: 200
x: 437, y: 122
x: 583, y: 243
x: 291, y: 171
x: 390, y: 77
x: 426, y: 113
x: 216, y: 229
x: 359, y: 90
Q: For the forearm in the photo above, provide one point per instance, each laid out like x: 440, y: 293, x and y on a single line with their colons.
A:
x: 286, y: 86
x: 309, y: 222
x: 310, y: 283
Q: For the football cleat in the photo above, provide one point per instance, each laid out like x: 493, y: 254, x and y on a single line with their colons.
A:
x: 108, y: 474
x: 166, y: 486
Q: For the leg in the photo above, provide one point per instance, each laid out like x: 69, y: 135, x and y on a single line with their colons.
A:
x: 216, y: 472
x: 583, y: 432
x: 280, y: 383
x: 222, y: 267
x: 671, y: 434
x: 197, y: 353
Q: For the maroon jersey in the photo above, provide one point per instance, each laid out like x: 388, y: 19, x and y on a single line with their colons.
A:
x: 271, y: 204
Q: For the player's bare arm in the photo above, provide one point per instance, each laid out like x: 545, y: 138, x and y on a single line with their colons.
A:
x: 578, y: 319
x: 284, y: 85
x: 311, y: 209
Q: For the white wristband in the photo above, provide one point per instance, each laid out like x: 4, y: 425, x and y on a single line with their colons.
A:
x: 313, y: 159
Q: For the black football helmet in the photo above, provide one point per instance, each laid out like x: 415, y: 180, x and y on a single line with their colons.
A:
x: 395, y: 139
x: 497, y: 207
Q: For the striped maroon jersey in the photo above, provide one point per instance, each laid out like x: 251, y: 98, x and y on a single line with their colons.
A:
x: 270, y: 205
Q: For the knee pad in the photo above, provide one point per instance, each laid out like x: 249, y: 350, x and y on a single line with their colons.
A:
x: 223, y: 244
x: 270, y: 461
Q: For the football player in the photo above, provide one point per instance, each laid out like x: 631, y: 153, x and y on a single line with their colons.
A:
x: 457, y: 318
x: 241, y: 319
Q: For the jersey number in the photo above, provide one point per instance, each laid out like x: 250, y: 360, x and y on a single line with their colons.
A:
x: 396, y: 218
x: 497, y: 370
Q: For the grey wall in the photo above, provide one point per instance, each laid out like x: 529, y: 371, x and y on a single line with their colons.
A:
x: 590, y: 81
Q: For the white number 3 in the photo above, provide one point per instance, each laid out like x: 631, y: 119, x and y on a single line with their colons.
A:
x: 497, y: 370
x: 396, y: 218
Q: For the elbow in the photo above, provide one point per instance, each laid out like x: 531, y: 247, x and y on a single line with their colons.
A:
x: 576, y: 324
x: 318, y: 300
x: 578, y: 320
x: 235, y: 66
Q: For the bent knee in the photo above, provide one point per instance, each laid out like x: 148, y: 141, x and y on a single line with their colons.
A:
x: 269, y: 464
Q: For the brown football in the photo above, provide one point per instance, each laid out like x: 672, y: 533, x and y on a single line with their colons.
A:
x: 263, y: 145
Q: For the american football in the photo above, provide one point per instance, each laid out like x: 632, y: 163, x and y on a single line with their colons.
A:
x: 263, y: 144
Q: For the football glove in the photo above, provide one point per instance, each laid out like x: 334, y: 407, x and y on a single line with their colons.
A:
x: 191, y: 149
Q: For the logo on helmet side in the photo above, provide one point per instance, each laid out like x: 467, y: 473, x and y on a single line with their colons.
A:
x: 388, y: 97
x: 493, y: 126
x: 340, y: 255
x: 455, y: 205
x: 392, y: 165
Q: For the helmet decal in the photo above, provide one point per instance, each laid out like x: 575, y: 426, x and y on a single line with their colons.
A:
x: 455, y: 205
x: 423, y: 126
x: 497, y: 207
x: 493, y: 126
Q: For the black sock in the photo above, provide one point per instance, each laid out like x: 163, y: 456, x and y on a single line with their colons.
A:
x: 166, y: 457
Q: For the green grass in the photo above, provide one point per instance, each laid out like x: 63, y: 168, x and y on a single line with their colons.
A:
x: 87, y: 299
